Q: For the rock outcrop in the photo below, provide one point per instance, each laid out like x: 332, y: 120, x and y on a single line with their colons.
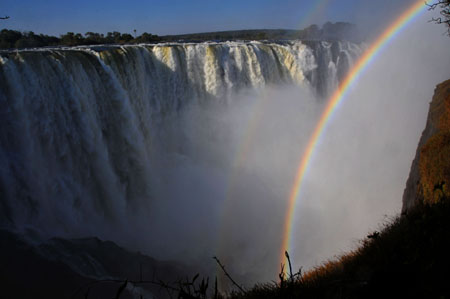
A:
x: 72, y: 268
x: 429, y: 178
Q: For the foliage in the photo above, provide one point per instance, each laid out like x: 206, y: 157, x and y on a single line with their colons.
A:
x: 71, y: 39
x: 15, y: 39
x: 10, y: 39
x: 147, y: 38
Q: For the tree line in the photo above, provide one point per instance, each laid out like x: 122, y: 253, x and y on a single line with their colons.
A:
x: 10, y: 39
x: 13, y: 39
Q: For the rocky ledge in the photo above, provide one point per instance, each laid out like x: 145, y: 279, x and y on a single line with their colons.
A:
x: 429, y: 178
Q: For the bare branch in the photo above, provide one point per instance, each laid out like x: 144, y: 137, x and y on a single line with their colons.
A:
x: 228, y: 275
x: 444, y: 6
x: 290, y: 265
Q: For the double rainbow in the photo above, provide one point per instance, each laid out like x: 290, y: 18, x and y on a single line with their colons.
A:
x: 337, y: 98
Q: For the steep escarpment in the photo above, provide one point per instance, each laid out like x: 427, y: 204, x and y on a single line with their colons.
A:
x: 429, y: 179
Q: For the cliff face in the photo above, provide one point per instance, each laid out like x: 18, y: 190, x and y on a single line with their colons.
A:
x: 429, y: 178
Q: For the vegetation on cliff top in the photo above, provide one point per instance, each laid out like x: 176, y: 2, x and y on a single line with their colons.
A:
x: 10, y: 39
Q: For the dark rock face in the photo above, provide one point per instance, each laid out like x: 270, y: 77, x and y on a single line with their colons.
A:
x: 26, y: 274
x: 69, y: 268
x: 419, y: 175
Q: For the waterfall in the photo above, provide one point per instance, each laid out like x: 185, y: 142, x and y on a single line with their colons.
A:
x: 78, y: 126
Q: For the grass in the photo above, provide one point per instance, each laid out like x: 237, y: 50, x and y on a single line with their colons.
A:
x: 408, y: 258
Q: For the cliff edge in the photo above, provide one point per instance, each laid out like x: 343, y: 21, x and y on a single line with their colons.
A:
x: 429, y: 178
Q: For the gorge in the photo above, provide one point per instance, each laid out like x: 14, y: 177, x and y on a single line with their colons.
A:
x: 170, y: 149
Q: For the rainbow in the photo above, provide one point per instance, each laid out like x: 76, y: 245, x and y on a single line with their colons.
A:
x: 314, y: 11
x: 338, y: 96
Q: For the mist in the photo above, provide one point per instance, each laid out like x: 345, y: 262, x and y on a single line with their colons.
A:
x: 358, y: 175
x: 224, y: 172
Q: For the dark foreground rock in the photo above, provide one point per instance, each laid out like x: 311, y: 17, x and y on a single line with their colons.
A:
x: 61, y: 268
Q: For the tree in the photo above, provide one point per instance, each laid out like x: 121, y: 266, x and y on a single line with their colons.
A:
x: 71, y: 39
x: 147, y: 38
x: 8, y: 38
x: 93, y: 38
x: 113, y: 37
x: 261, y: 36
x: 444, y: 6
x: 125, y: 38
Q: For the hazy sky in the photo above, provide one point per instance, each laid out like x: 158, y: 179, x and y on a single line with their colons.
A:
x: 187, y: 16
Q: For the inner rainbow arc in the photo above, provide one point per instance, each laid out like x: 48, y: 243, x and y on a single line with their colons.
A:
x: 337, y: 98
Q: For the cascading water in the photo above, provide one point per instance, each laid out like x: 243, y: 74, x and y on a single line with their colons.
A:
x: 86, y: 134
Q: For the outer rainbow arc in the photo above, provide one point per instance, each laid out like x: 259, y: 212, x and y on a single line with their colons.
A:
x: 333, y: 102
x: 313, y: 12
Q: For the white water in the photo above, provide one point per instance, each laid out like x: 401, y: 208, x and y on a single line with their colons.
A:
x: 138, y: 144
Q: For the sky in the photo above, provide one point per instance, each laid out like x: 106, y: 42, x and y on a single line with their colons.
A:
x: 163, y: 17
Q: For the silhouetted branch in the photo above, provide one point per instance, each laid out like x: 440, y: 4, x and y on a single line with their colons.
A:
x: 444, y: 5
x: 292, y: 276
x: 289, y: 262
x: 228, y: 275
